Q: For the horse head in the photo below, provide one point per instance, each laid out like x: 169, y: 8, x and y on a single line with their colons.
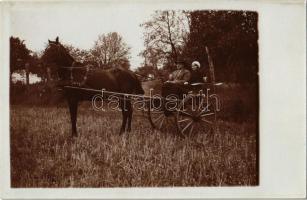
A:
x: 57, y: 54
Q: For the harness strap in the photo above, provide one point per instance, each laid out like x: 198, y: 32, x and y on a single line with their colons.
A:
x: 82, y: 83
x: 71, y: 75
x: 74, y: 67
x: 86, y: 74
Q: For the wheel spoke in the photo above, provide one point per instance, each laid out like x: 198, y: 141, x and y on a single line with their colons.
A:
x: 207, y: 114
x: 185, y: 113
x: 206, y: 121
x: 191, y: 130
x: 155, y: 120
x: 183, y: 120
x: 187, y: 126
x: 161, y: 123
x: 204, y: 110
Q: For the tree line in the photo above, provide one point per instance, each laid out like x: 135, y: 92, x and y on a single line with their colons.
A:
x: 231, y: 36
x: 108, y: 51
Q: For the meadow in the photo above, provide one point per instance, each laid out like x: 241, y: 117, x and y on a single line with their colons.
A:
x: 44, y: 155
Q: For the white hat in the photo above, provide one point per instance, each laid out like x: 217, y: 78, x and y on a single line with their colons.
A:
x: 196, y: 63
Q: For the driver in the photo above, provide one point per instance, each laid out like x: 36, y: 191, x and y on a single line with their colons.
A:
x: 178, y: 81
x: 181, y: 75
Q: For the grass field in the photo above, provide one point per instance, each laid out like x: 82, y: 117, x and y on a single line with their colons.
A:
x: 44, y: 155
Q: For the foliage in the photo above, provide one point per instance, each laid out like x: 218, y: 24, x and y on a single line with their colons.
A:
x: 232, y: 38
x: 19, y: 54
x: 37, y: 94
x: 80, y: 55
x: 23, y: 60
x: 164, y: 37
x: 110, y: 50
x: 36, y: 66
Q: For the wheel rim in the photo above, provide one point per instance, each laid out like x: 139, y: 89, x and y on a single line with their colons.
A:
x: 191, y: 119
x: 159, y: 120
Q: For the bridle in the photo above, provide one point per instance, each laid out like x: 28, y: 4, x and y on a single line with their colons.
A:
x: 57, y: 49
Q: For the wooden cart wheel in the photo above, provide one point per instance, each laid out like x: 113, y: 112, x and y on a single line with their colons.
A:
x: 196, y: 115
x: 159, y: 120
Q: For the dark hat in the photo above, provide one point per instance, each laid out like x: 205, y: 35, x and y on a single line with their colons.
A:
x: 180, y: 62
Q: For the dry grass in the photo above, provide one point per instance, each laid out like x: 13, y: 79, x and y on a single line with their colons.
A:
x: 44, y: 155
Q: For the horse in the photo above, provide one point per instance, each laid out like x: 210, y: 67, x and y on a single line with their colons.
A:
x: 117, y: 80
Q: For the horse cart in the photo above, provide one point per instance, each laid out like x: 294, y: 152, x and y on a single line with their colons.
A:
x: 193, y: 110
x: 192, y: 107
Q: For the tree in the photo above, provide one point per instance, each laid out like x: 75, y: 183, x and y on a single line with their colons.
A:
x: 152, y: 57
x: 165, y: 35
x: 124, y: 63
x: 19, y: 55
x: 110, y: 50
x: 36, y: 65
x: 232, y: 37
x: 80, y: 55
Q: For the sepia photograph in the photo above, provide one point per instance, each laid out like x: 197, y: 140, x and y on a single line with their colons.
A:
x: 109, y: 95
x: 157, y: 98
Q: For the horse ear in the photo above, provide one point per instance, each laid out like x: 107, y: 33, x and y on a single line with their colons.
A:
x: 57, y: 39
x: 49, y: 41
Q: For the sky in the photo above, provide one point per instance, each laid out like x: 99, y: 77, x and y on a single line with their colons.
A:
x: 79, y: 24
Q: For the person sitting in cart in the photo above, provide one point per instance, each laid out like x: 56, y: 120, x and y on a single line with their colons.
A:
x: 177, y: 85
x: 178, y: 80
x: 198, y: 74
x: 181, y: 75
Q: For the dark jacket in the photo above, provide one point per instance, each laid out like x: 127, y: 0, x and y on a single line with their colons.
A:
x: 181, y: 76
x: 197, y: 76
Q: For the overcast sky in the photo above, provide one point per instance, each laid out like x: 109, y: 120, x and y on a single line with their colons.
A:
x: 79, y: 24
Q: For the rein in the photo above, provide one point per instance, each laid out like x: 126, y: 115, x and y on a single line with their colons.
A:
x: 74, y: 67
x: 87, y: 70
x: 147, y: 77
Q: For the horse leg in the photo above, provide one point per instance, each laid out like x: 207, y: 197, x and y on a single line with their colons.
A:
x: 125, y: 116
x: 129, y: 113
x: 73, y: 108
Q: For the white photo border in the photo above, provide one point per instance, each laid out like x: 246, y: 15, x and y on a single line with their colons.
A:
x: 282, y: 124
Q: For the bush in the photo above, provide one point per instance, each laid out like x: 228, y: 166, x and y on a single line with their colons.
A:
x: 35, y: 94
x: 238, y: 102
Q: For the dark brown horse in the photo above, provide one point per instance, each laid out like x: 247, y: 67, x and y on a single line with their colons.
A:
x: 116, y: 80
